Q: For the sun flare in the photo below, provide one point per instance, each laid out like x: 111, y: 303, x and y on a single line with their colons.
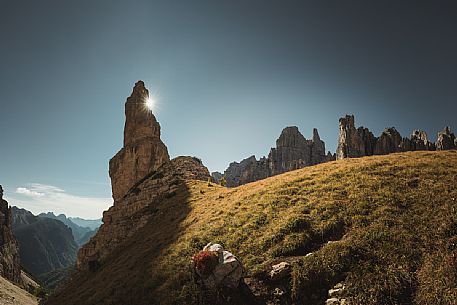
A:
x: 149, y: 104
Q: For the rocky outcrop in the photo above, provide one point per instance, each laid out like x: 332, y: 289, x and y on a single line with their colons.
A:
x: 388, y: 142
x: 446, y: 140
x: 135, y: 209
x: 142, y: 176
x: 292, y: 152
x: 354, y: 142
x: 143, y: 149
x: 360, y: 142
x: 417, y: 141
x: 9, y: 251
x: 248, y: 170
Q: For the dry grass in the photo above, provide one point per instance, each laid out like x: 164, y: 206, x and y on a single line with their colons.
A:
x: 393, y: 219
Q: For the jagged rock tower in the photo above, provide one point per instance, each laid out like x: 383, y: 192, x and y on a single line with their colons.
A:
x: 142, y: 177
x: 143, y: 149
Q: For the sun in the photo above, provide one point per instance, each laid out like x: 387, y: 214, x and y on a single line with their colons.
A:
x: 149, y: 104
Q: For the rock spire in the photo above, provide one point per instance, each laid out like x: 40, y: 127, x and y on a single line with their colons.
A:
x: 143, y: 149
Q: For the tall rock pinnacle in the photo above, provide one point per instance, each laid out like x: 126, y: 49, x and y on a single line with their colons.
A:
x: 140, y: 123
x: 143, y: 149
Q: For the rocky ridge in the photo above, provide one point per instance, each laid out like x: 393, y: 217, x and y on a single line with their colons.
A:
x: 292, y: 151
x: 9, y: 251
x: 358, y: 142
x: 142, y: 176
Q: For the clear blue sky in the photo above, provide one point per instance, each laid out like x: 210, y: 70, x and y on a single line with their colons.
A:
x: 229, y: 74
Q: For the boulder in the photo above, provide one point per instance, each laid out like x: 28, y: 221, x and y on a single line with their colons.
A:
x: 280, y: 271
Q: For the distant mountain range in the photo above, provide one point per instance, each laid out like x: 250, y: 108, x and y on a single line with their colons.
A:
x: 92, y: 224
x: 82, y: 229
x: 48, y: 244
x: 45, y: 244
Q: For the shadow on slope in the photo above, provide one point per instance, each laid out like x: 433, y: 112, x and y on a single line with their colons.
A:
x: 127, y: 275
x: 384, y: 226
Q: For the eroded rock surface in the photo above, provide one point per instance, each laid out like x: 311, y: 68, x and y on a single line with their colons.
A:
x: 143, y: 149
x: 9, y: 250
x: 135, y: 209
x: 358, y: 142
x: 446, y: 140
x: 141, y: 176
x: 292, y: 151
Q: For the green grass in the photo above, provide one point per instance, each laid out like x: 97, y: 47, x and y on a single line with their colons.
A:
x: 392, y: 220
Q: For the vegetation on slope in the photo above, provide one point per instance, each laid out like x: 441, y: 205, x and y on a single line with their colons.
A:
x: 385, y: 226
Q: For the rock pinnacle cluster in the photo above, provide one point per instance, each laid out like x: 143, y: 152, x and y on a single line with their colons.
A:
x: 358, y: 142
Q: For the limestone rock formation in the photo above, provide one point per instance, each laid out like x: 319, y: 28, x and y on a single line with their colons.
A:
x: 9, y: 251
x: 143, y: 149
x: 248, y: 170
x: 292, y: 151
x: 446, y: 140
x: 354, y: 142
x: 388, y: 142
x: 142, y: 176
x: 360, y: 142
x: 134, y: 210
x: 417, y: 141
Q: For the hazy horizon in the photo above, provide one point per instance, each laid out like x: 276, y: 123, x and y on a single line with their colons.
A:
x: 228, y: 76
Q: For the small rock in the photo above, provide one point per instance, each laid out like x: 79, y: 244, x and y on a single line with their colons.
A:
x: 278, y: 292
x: 280, y: 271
x: 335, y: 292
x: 332, y: 301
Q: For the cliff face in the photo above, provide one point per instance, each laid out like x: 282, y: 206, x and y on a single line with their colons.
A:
x: 142, y: 176
x: 9, y: 250
x: 143, y: 149
x: 446, y: 140
x: 292, y: 152
x: 360, y: 142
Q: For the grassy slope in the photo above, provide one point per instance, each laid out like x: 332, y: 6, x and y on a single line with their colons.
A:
x: 393, y: 218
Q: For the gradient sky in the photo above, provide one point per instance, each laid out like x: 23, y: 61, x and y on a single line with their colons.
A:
x: 230, y: 75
